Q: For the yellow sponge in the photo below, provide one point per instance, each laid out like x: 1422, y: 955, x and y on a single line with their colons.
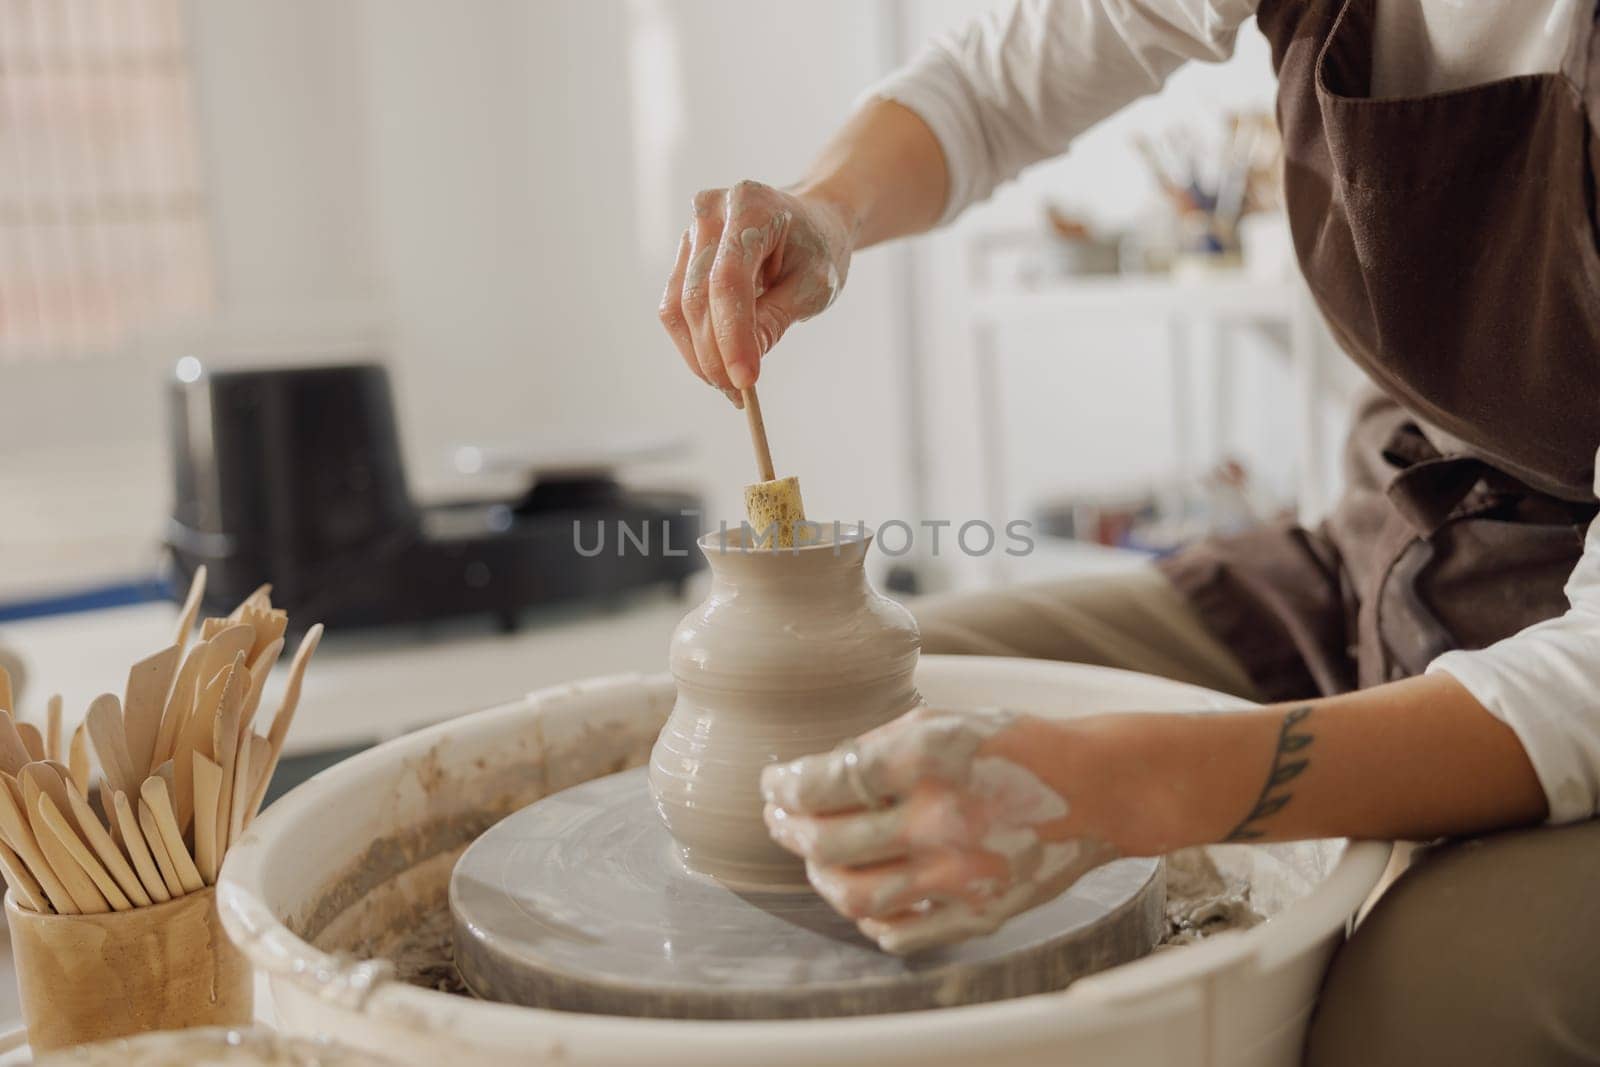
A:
x: 774, y: 508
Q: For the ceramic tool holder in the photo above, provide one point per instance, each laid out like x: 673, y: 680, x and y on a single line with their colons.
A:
x: 113, y: 912
x: 91, y: 977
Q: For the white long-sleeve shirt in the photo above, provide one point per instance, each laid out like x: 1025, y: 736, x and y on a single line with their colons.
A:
x: 1017, y: 86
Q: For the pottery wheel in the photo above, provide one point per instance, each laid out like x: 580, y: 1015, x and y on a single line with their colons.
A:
x: 579, y: 902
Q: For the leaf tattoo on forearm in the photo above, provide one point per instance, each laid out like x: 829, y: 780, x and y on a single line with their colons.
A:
x: 1287, y: 765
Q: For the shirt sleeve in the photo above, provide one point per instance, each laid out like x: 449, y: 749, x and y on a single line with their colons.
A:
x: 1016, y: 86
x: 1544, y: 683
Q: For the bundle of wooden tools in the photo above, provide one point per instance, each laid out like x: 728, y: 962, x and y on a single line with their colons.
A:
x: 182, y: 771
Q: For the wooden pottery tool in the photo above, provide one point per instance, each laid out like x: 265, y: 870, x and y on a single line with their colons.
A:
x: 13, y: 753
x: 153, y: 795
x: 191, y: 608
x: 18, y: 833
x: 772, y: 505
x: 32, y: 739
x: 104, y: 847
x: 138, y: 849
x: 143, y: 701
x: 65, y: 833
x: 52, y: 729
x: 87, y: 978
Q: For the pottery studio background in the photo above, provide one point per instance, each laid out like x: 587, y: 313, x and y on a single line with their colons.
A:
x: 484, y: 199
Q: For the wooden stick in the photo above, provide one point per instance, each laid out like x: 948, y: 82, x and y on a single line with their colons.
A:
x: 110, y: 744
x: 243, y: 779
x: 52, y: 729
x: 78, y: 758
x: 197, y: 737
x: 153, y: 794
x: 8, y: 701
x: 191, y: 607
x: 110, y: 855
x: 225, y: 749
x: 285, y: 714
x: 260, y: 773
x: 80, y: 886
x: 32, y: 740
x: 144, y: 699
x: 139, y: 850
x: 269, y: 627
x: 56, y: 824
x: 758, y: 435
x: 18, y: 833
x: 158, y: 848
x: 109, y: 807
x: 39, y: 777
x: 258, y: 598
x: 228, y: 643
x: 13, y: 753
x: 259, y: 670
x: 180, y: 702
x: 207, y: 781
x: 22, y: 882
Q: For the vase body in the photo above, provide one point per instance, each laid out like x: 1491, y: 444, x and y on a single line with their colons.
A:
x: 790, y: 654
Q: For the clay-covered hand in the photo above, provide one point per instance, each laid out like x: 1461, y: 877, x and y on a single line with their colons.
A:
x: 936, y: 827
x: 754, y: 261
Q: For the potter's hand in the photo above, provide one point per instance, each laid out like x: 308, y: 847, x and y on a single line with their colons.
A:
x: 936, y: 827
x: 754, y: 261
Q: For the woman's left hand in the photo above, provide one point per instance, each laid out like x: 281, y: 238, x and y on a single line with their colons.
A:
x: 936, y: 827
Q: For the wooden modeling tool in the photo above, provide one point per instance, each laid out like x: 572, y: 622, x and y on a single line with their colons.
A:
x: 21, y: 880
x: 104, y: 721
x: 279, y: 729
x: 153, y: 795
x: 207, y: 783
x: 57, y: 824
x: 139, y: 850
x: 78, y: 758
x: 110, y: 855
x: 13, y: 753
x: 191, y: 608
x: 157, y: 844
x: 143, y: 701
x: 773, y: 504
x: 52, y: 729
x: 180, y: 702
x: 18, y: 833
x: 32, y: 739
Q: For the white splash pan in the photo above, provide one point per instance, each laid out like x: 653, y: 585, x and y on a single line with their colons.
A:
x: 386, y: 825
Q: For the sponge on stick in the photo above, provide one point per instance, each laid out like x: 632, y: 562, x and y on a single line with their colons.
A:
x: 774, y: 508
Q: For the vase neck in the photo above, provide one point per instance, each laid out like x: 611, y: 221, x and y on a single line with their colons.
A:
x: 835, y: 567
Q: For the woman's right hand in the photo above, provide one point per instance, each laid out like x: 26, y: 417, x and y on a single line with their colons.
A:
x: 754, y: 261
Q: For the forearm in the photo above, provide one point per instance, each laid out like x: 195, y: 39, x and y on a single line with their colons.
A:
x: 884, y: 173
x: 1410, y: 760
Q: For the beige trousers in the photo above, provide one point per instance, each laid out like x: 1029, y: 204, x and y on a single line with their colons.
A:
x: 1485, y: 951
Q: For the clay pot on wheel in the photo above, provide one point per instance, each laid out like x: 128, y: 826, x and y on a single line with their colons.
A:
x: 791, y: 653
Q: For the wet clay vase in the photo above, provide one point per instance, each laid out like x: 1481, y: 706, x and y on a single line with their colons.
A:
x: 792, y: 653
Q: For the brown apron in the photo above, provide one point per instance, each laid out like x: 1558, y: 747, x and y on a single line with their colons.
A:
x: 1450, y: 241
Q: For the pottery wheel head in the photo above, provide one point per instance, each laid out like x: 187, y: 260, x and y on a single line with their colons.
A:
x: 579, y: 902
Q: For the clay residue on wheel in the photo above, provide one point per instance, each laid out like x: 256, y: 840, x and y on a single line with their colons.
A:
x: 401, y: 877
x: 1202, y: 901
